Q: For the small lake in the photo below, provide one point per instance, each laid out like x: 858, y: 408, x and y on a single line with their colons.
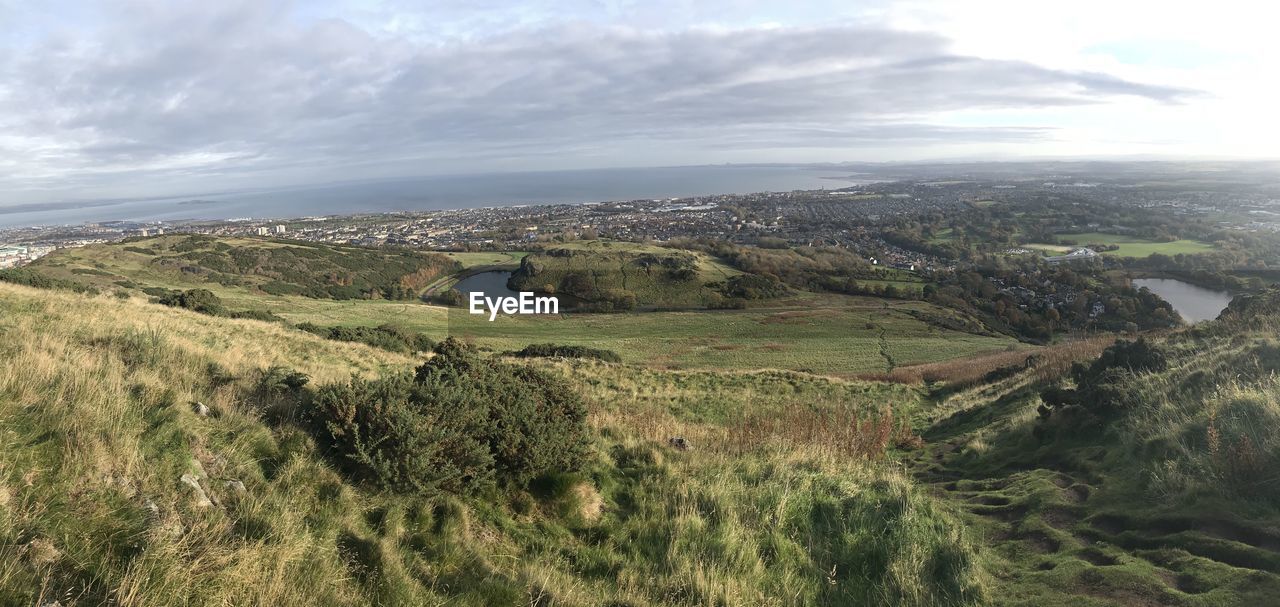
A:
x: 1193, y: 303
x: 492, y: 284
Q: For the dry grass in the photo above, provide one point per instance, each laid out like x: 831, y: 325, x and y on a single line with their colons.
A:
x: 96, y: 400
x: 841, y: 432
x: 96, y: 407
x: 1048, y: 363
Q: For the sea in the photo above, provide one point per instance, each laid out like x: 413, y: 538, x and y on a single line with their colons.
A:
x: 444, y: 192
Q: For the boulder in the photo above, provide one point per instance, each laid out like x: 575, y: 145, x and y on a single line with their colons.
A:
x: 202, y: 498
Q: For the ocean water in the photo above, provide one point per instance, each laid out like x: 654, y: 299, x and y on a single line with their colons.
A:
x: 445, y: 192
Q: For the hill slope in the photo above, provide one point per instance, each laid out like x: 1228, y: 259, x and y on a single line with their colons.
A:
x: 827, y: 334
x: 1144, y: 477
x: 151, y: 456
x: 611, y: 276
x: 270, y: 266
x: 157, y: 456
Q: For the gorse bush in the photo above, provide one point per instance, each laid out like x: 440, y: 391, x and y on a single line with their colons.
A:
x: 566, y: 351
x: 387, y: 337
x: 205, y: 301
x: 390, y: 435
x: 277, y: 380
x: 196, y: 300
x: 752, y: 286
x: 1103, y: 389
x: 26, y: 277
x: 459, y: 423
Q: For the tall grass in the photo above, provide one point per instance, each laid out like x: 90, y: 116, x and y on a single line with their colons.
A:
x: 99, y: 427
x: 1049, y: 362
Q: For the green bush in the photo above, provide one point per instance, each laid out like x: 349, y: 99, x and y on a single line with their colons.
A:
x: 24, y: 276
x: 278, y: 380
x: 449, y: 297
x: 460, y: 423
x: 564, y: 351
x: 196, y: 300
x: 387, y: 337
x: 752, y: 286
x: 256, y: 315
x: 1103, y: 387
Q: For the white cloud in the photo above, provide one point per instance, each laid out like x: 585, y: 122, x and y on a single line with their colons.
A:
x: 142, y: 97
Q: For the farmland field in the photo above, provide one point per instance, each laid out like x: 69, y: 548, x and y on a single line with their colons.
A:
x: 1129, y: 246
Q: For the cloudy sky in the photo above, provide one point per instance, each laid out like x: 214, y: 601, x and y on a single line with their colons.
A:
x: 105, y: 99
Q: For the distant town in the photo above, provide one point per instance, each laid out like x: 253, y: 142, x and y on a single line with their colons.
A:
x: 854, y: 218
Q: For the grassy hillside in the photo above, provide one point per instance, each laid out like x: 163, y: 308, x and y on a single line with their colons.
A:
x: 825, y: 334
x: 830, y: 335
x: 1143, y: 475
x: 595, y: 273
x: 102, y: 426
x: 1149, y: 481
x: 257, y: 265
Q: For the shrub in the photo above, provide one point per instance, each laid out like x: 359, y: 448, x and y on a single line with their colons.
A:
x: 387, y: 337
x: 24, y: 276
x: 1103, y: 387
x: 565, y: 351
x: 461, y: 422
x: 196, y: 300
x: 449, y: 297
x: 726, y: 303
x: 256, y: 315
x: 276, y: 380
x: 387, y: 435
x: 614, y: 300
x: 753, y: 286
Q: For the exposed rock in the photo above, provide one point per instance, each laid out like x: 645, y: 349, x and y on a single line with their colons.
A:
x: 679, y: 443
x: 236, y: 486
x: 202, y: 498
x: 152, y: 509
x: 200, y: 409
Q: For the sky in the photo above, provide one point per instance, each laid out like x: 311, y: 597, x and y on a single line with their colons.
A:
x: 145, y: 98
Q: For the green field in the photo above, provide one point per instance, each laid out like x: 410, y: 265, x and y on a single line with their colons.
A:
x: 832, y: 335
x: 468, y: 260
x: 825, y: 334
x: 838, y: 336
x: 1129, y: 246
x: 943, y: 236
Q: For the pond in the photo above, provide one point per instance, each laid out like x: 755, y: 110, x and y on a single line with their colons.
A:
x: 492, y: 284
x: 1193, y: 303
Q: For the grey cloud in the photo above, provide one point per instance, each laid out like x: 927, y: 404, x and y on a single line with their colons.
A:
x: 245, y: 89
